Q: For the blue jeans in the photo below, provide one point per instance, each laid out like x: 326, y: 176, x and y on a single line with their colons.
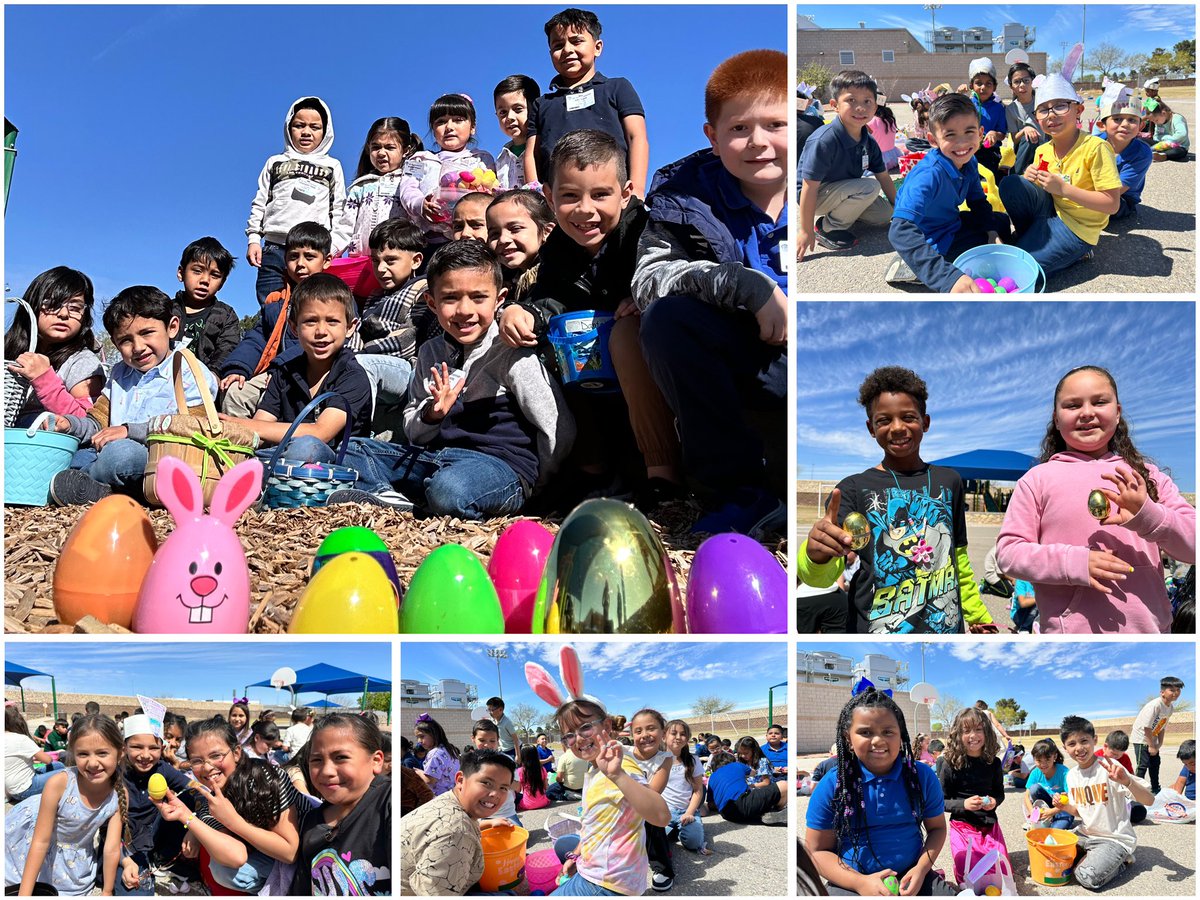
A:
x: 305, y: 448
x: 1063, y: 820
x: 449, y: 482
x: 389, y: 377
x: 39, y: 782
x: 248, y: 878
x: 576, y: 885
x: 272, y: 274
x: 706, y: 360
x: 691, y: 836
x: 1128, y: 208
x: 120, y: 465
x: 1039, y: 230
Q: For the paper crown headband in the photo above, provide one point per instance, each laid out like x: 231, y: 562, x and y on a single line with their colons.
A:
x: 546, y: 688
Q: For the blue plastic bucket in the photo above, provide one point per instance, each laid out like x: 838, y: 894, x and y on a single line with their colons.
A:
x: 580, y: 344
x: 996, y: 261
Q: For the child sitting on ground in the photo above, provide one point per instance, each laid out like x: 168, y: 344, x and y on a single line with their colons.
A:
x: 928, y: 231
x: 113, y: 434
x: 1114, y: 747
x: 486, y: 427
x: 514, y: 98
x: 1047, y: 783
x: 1186, y: 782
x: 207, y: 326
x: 731, y: 795
x: 531, y: 779
x: 441, y: 853
x: 1100, y: 792
x: 972, y: 786
x: 322, y: 315
x: 712, y: 281
x: 750, y: 753
x: 486, y: 736
x: 1022, y: 122
x: 1121, y: 120
x: 518, y: 223
x: 776, y: 749
x: 244, y: 374
x: 1170, y: 134
x: 993, y: 119
x: 834, y: 195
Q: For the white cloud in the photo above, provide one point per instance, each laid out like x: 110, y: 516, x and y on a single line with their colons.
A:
x: 1124, y: 672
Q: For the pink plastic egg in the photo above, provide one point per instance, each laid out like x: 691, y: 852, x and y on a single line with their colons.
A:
x: 516, y: 569
x: 985, y: 286
x: 1008, y: 284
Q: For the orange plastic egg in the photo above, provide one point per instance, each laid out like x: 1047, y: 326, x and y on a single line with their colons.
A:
x: 103, y: 563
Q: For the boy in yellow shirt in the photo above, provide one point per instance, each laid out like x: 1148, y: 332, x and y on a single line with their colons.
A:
x: 1063, y: 200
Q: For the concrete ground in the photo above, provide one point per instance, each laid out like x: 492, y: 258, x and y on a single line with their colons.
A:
x: 1155, y: 254
x: 1165, y: 860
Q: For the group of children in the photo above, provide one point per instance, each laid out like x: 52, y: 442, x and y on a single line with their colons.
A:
x: 473, y: 256
x: 319, y: 825
x: 879, y: 813
x: 1066, y: 181
x: 909, y: 535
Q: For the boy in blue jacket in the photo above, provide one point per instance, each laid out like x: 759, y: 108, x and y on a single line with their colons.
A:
x: 711, y: 282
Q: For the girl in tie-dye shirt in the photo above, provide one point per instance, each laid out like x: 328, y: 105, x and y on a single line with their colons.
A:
x: 609, y: 854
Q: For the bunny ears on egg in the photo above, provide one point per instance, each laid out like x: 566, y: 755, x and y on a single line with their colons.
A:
x: 544, y: 686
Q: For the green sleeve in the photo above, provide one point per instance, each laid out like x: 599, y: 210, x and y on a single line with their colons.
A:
x: 818, y: 574
x: 974, y: 610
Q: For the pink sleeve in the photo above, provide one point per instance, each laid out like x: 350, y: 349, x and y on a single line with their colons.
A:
x: 54, y: 396
x: 1170, y: 523
x: 1019, y: 553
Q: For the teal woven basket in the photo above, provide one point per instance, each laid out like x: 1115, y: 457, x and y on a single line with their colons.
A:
x: 31, y: 460
x: 291, y: 484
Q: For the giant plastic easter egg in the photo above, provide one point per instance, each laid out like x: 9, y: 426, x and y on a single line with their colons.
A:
x: 450, y: 593
x: 607, y: 574
x: 357, y: 540
x: 350, y: 595
x: 103, y: 563
x: 735, y: 586
x: 516, y: 569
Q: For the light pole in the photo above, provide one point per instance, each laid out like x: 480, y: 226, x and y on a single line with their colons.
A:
x: 933, y: 8
x: 498, y: 653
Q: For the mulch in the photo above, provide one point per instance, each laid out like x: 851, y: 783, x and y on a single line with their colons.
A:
x: 279, y: 546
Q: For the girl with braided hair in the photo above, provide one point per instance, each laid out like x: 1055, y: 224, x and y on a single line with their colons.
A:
x: 1095, y: 575
x: 51, y: 838
x: 879, y: 824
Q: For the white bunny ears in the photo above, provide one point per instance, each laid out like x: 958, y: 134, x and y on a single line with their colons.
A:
x: 544, y: 686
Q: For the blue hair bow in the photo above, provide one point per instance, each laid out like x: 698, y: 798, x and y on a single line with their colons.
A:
x: 864, y: 684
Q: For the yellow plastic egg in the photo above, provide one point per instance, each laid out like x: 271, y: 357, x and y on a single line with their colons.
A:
x: 1098, y: 505
x: 350, y: 594
x: 157, y: 786
x: 859, y: 529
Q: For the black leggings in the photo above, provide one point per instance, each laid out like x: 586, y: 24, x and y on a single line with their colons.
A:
x: 1175, y: 154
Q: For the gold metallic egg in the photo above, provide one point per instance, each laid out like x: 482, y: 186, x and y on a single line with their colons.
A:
x: 1098, y: 505
x: 859, y: 529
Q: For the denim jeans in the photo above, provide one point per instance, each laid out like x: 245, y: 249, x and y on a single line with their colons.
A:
x: 120, y: 464
x: 449, y: 482
x: 39, y: 782
x: 578, y: 886
x: 389, y: 377
x: 1039, y: 230
x: 272, y: 274
x: 691, y: 835
x: 145, y: 886
x: 1097, y: 861
x: 305, y: 448
x: 248, y: 878
x: 1063, y: 820
x: 1128, y: 208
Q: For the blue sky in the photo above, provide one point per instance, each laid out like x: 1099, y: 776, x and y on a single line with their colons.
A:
x: 194, y: 671
x: 668, y: 676
x: 145, y: 127
x: 1093, y: 680
x: 1137, y: 28
x: 991, y: 370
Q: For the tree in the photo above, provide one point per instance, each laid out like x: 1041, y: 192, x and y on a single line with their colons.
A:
x: 1161, y: 62
x: 527, y: 719
x: 1107, y: 58
x: 817, y: 75
x: 945, y: 709
x: 1185, y: 56
x: 248, y: 322
x: 1009, y: 712
x: 711, y: 706
x: 1136, y: 62
x: 1179, y: 706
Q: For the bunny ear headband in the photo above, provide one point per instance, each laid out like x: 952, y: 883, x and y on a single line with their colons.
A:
x: 544, y: 686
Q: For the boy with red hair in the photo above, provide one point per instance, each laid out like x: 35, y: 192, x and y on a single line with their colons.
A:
x: 712, y: 286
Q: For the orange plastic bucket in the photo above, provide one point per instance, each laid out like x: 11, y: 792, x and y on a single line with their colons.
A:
x: 503, y: 857
x: 1051, y: 864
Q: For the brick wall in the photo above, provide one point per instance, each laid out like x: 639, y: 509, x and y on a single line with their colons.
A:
x: 818, y: 707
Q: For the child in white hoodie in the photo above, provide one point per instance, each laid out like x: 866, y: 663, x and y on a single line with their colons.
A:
x: 302, y: 184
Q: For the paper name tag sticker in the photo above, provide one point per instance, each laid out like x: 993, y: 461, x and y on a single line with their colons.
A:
x: 582, y: 100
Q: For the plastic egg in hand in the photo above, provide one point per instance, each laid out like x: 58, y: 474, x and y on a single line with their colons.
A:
x: 859, y: 529
x: 1098, y: 505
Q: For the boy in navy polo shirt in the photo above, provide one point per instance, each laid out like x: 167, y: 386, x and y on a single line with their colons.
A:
x: 321, y: 313
x: 928, y: 231
x: 1121, y: 119
x: 580, y: 97
x: 730, y: 796
x: 711, y: 280
x: 834, y: 195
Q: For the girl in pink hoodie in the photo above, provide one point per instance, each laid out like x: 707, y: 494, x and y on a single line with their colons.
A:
x: 1095, y: 576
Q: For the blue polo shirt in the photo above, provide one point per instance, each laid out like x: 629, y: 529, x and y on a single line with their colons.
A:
x: 778, y: 757
x: 830, y: 154
x: 1132, y: 165
x: 993, y: 116
x: 895, y: 835
x: 728, y: 783
x: 600, y: 104
x: 931, y: 194
x: 289, y: 391
x: 1189, y: 785
x: 754, y: 232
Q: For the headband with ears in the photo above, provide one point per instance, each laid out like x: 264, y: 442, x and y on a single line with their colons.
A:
x: 544, y: 686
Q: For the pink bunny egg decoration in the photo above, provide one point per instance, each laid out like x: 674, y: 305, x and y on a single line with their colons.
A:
x: 198, y: 582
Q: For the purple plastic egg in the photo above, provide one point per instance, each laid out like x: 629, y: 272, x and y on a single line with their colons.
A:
x: 1008, y: 284
x: 984, y: 285
x: 736, y: 587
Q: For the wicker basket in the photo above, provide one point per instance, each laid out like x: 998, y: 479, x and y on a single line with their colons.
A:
x: 31, y: 460
x: 560, y: 824
x: 207, y: 445
x: 17, y: 387
x: 291, y: 484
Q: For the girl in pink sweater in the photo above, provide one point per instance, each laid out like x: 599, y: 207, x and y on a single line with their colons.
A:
x: 1095, y: 576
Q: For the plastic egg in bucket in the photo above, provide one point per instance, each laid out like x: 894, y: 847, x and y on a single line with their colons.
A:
x: 998, y: 262
x: 580, y: 344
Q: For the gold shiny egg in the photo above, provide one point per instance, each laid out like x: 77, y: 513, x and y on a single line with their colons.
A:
x: 1098, y: 505
x: 859, y: 529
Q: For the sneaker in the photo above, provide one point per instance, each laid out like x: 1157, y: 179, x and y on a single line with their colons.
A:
x: 833, y: 240
x: 572, y: 795
x: 899, y: 273
x: 387, y: 498
x: 73, y: 487
x: 662, y: 882
x: 755, y: 513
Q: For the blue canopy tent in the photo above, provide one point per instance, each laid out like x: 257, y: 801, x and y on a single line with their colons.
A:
x: 326, y: 679
x: 324, y: 704
x: 14, y: 674
x: 988, y: 465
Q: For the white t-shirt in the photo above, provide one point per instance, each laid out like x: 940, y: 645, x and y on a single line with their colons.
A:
x: 1103, y: 805
x: 1152, y: 716
x: 18, y: 763
x: 678, y: 792
x: 651, y: 765
x: 297, y: 737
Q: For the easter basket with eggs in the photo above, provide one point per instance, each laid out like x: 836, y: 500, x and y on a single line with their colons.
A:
x: 295, y: 483
x: 207, y: 445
